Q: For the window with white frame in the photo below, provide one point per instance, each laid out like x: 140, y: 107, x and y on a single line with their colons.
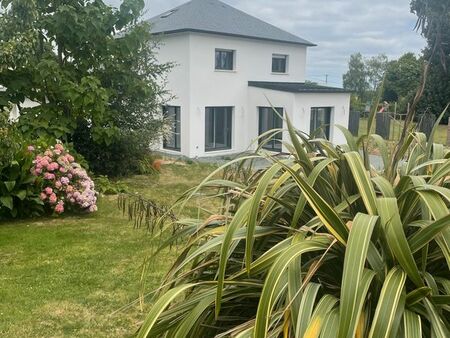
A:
x: 321, y: 121
x: 279, y: 63
x: 218, y: 128
x: 173, y: 141
x: 225, y: 59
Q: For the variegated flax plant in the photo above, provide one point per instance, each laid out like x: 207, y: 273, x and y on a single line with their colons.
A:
x: 318, y: 244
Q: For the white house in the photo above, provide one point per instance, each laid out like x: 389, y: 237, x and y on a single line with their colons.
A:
x: 228, y: 65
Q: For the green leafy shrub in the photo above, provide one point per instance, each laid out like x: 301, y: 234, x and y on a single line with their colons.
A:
x: 19, y: 195
x: 107, y: 187
x: 121, y: 157
x: 9, y: 139
x: 319, y: 244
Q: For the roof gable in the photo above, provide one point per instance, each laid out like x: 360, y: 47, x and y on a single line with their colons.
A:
x: 213, y: 16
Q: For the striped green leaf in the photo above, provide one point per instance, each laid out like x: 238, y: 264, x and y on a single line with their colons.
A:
x: 237, y: 221
x: 330, y: 326
x: 354, y: 261
x: 274, y: 276
x: 396, y: 238
x: 362, y: 181
x: 437, y: 325
x: 323, y: 210
x: 412, y: 325
x: 254, y: 208
x: 428, y: 233
x: 306, y: 308
x: 159, y: 307
x: 323, y: 308
x: 388, y: 301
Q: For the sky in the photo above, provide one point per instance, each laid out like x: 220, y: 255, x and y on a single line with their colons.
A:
x: 339, y: 28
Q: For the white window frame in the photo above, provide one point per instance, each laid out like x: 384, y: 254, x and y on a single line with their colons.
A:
x: 279, y: 56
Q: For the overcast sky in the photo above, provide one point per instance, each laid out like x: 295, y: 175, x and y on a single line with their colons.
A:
x: 338, y: 27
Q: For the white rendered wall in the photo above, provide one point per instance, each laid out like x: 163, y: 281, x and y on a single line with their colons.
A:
x: 298, y: 107
x: 253, y: 62
x: 196, y: 85
x: 340, y: 102
x: 175, y: 48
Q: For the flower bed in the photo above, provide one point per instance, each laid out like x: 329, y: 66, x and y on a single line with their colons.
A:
x: 66, y: 185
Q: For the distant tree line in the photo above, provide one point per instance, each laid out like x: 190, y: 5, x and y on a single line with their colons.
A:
x: 402, y: 76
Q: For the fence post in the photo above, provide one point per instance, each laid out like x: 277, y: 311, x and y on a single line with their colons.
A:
x: 383, y: 125
x: 353, y: 122
x: 426, y: 124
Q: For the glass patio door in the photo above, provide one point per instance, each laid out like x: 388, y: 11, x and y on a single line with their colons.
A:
x: 321, y: 118
x: 268, y: 120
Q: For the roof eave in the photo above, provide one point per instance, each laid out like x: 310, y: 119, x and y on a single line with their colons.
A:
x: 320, y: 90
x: 186, y: 30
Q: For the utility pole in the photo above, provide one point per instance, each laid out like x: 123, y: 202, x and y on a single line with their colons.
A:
x: 326, y: 78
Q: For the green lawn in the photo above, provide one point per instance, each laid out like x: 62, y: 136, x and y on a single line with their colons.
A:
x: 66, y: 276
x: 396, y: 128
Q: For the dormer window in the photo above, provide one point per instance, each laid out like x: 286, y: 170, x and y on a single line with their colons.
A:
x: 224, y: 59
x: 279, y: 63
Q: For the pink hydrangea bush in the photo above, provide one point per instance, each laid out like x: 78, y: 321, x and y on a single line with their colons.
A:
x: 66, y: 184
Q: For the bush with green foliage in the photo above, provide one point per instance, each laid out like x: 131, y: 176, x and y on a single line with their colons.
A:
x: 107, y: 187
x: 19, y: 196
x: 121, y: 157
x: 90, y: 67
x: 318, y: 244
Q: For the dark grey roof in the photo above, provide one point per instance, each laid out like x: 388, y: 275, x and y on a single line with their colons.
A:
x: 213, y: 16
x: 296, y: 87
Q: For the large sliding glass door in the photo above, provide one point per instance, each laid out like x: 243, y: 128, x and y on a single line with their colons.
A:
x: 271, y: 118
x: 218, y: 128
x: 173, y: 141
x: 321, y: 118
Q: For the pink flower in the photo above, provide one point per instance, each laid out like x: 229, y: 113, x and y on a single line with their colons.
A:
x: 65, y: 180
x: 63, y: 170
x: 59, y: 146
x: 59, y: 208
x: 57, y: 152
x: 43, y: 196
x: 70, y: 158
x: 30, y: 148
x: 53, y: 198
x: 49, y: 176
x: 44, y: 162
x: 69, y: 188
x: 58, y: 184
x: 52, y: 166
x: 48, y: 153
x: 48, y: 190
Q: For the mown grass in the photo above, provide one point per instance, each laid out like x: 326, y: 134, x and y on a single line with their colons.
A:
x: 68, y: 276
x: 396, y: 129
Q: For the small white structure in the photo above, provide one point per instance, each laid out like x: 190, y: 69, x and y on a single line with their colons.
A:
x: 229, y: 65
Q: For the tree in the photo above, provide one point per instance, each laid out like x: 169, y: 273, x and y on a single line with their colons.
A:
x: 91, y: 67
x: 402, y: 79
x: 434, y: 24
x: 376, y: 67
x: 356, y: 77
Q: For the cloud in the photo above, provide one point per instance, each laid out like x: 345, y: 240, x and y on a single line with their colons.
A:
x: 338, y: 27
